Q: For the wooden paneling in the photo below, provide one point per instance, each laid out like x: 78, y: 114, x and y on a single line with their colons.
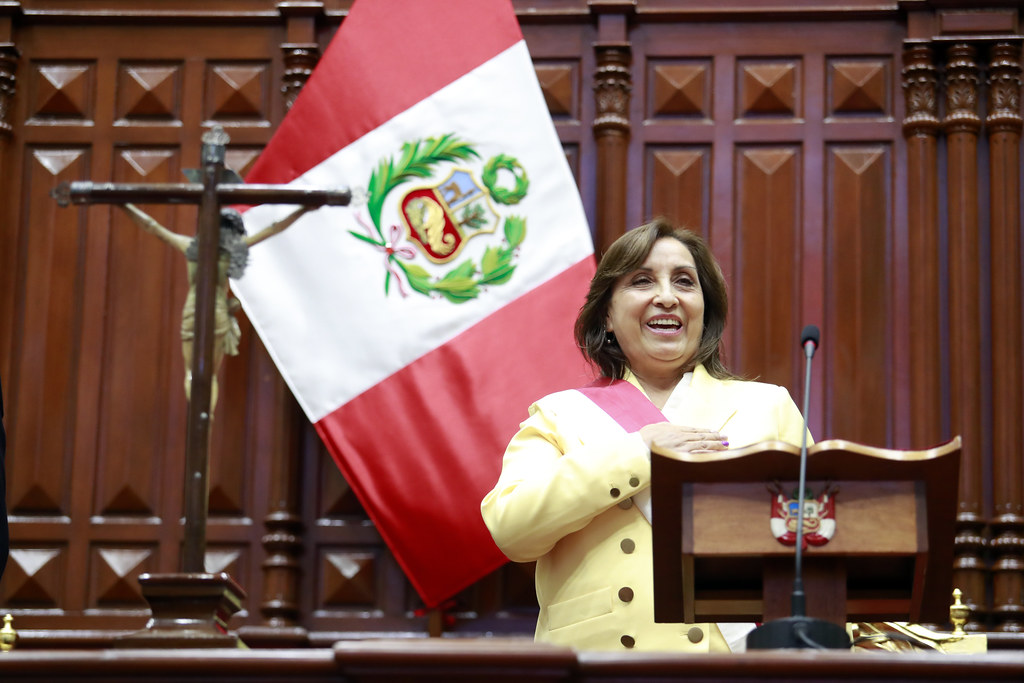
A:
x: 768, y: 217
x: 778, y: 133
x: 96, y: 367
x: 754, y: 143
x: 49, y: 320
x: 139, y: 270
x: 858, y: 233
x: 679, y: 186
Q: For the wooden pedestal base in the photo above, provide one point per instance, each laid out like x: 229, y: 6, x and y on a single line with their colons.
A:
x: 189, y: 610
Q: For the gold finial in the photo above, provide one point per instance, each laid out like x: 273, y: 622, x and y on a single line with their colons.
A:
x: 7, y: 635
x: 958, y: 613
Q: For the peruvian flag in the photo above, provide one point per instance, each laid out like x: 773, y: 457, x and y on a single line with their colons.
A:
x: 416, y: 325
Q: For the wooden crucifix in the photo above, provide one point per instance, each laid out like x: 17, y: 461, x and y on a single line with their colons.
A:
x: 212, y: 186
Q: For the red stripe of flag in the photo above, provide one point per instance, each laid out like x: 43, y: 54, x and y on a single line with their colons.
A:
x: 428, y: 508
x: 384, y: 59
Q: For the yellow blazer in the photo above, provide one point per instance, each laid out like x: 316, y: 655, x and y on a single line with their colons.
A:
x: 564, y: 500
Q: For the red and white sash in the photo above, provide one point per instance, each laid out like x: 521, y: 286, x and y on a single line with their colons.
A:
x: 631, y: 409
x: 624, y: 402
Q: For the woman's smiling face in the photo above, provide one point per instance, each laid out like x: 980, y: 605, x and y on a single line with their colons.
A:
x: 657, y: 312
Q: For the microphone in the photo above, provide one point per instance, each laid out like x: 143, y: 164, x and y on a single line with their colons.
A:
x: 799, y: 630
x: 809, y: 339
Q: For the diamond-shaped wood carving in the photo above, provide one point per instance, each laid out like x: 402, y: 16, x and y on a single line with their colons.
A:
x: 63, y: 91
x: 151, y: 164
x: 115, y: 580
x: 679, y: 90
x: 337, y: 499
x: 558, y: 85
x: 222, y: 560
x: 677, y: 163
x: 33, y: 577
x: 37, y: 497
x: 126, y: 500
x: 768, y: 89
x: 57, y: 161
x: 148, y: 91
x: 680, y: 185
x: 768, y: 161
x: 224, y: 499
x: 237, y: 91
x: 859, y: 87
x: 349, y: 579
x: 241, y: 160
x: 860, y: 161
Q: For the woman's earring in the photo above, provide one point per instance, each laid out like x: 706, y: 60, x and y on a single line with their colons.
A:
x: 609, y: 337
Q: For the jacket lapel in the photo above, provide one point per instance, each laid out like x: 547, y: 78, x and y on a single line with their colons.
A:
x: 706, y: 403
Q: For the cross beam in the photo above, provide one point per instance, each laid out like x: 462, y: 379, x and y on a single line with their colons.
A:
x: 85, y: 192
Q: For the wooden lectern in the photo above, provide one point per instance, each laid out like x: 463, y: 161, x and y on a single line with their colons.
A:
x: 890, y: 557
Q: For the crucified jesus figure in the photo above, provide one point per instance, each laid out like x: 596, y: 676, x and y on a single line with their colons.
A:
x: 233, y: 258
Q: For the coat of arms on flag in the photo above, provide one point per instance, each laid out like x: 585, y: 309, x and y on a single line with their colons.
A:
x: 819, y: 515
x: 441, y: 217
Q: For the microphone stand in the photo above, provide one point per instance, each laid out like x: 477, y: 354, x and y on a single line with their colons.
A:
x: 799, y: 630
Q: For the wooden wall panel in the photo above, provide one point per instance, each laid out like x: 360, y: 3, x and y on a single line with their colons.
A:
x: 679, y: 185
x: 145, y: 385
x: 113, y: 572
x: 766, y: 299
x: 859, y: 230
x: 767, y: 109
x: 769, y: 88
x: 679, y: 89
x: 34, y: 578
x: 43, y: 382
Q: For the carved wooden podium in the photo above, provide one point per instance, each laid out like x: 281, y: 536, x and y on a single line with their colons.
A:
x: 890, y: 557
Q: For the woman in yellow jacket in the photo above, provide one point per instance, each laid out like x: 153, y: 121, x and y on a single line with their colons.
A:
x: 573, y: 494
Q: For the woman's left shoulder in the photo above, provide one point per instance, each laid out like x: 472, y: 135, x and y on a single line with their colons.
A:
x: 754, y: 388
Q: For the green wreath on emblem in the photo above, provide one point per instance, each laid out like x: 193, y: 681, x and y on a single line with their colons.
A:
x: 490, y: 179
x: 462, y: 283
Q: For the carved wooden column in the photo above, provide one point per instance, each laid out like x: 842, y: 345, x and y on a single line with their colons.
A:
x: 8, y: 67
x: 612, y: 86
x: 301, y: 52
x: 1003, y: 125
x: 962, y: 125
x: 9, y: 57
x: 278, y: 439
x: 920, y: 128
x: 299, y: 61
